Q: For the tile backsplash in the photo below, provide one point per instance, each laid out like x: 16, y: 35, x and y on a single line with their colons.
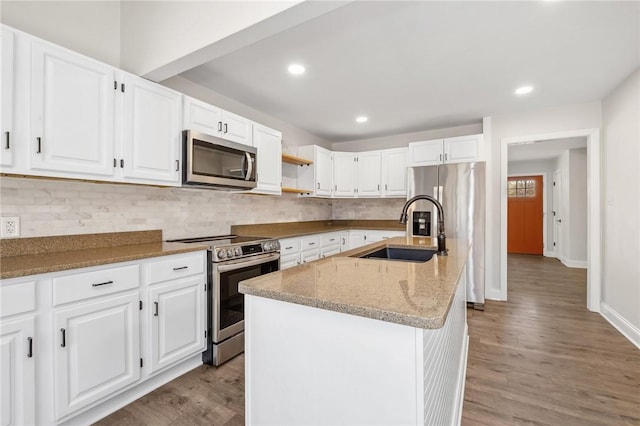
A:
x: 368, y: 208
x: 57, y: 207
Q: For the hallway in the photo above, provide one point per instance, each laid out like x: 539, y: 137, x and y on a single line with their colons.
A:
x: 542, y: 358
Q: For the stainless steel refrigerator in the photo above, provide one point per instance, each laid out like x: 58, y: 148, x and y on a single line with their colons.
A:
x: 461, y: 190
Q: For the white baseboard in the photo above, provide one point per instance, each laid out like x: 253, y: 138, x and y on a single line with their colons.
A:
x: 550, y: 253
x: 493, y: 294
x: 569, y: 263
x: 627, y: 329
x: 463, y: 376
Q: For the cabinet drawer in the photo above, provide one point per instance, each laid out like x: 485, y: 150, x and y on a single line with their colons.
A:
x: 310, y: 242
x: 85, y: 285
x: 172, y: 267
x: 330, y: 239
x: 289, y: 246
x: 17, y: 298
x: 310, y: 255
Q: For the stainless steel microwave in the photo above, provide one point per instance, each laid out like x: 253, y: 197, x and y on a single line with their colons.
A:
x: 216, y: 163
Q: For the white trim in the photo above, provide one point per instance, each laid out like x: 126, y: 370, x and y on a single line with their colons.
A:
x: 569, y: 263
x: 544, y: 202
x: 593, y: 211
x: 462, y: 374
x: 627, y: 329
x: 549, y: 253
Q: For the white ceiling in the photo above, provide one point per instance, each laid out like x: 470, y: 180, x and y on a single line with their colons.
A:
x: 542, y: 150
x: 412, y: 66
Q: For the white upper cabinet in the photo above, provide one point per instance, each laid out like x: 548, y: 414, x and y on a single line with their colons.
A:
x: 449, y: 150
x: 72, y: 113
x: 426, y: 153
x: 368, y: 174
x: 268, y: 142
x: 201, y: 116
x: 344, y: 174
x: 394, y: 172
x: 319, y: 175
x: 8, y: 61
x: 215, y: 121
x: 151, y: 141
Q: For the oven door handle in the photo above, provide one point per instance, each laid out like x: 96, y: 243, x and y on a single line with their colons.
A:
x: 249, y: 162
x: 244, y: 263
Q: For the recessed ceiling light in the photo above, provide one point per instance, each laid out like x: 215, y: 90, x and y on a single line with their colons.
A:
x: 524, y: 90
x: 296, y: 69
x: 362, y: 119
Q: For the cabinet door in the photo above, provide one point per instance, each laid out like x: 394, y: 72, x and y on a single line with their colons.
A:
x: 72, y: 113
x: 344, y: 174
x: 177, y: 320
x: 201, y: 116
x: 368, y: 174
x: 236, y: 128
x: 324, y: 171
x: 310, y: 255
x: 330, y: 250
x: 344, y: 241
x: 289, y: 261
x: 425, y: 153
x: 461, y: 149
x: 394, y: 172
x: 8, y: 105
x: 269, y: 145
x: 17, y: 369
x: 357, y: 239
x: 151, y: 132
x: 96, y: 350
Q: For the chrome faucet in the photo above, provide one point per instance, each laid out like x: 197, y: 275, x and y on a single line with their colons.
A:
x: 442, y: 239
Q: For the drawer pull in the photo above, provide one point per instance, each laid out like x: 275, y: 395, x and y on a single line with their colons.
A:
x: 30, y: 354
x: 288, y: 248
x: 180, y: 268
x: 64, y: 338
x: 312, y: 244
x: 99, y: 284
x: 155, y: 304
x: 332, y: 239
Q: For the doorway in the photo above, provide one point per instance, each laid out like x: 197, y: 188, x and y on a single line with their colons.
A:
x: 556, y: 213
x: 593, y: 221
x: 525, y: 215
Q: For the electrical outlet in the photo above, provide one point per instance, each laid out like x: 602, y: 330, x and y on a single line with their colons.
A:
x: 10, y: 227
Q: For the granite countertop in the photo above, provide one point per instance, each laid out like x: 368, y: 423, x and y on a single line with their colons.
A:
x: 21, y: 257
x: 408, y: 293
x: 299, y: 229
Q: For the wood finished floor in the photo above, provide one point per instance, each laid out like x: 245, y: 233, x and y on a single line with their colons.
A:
x: 540, y: 359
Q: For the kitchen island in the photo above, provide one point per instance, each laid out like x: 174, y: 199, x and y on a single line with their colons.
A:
x: 349, y: 340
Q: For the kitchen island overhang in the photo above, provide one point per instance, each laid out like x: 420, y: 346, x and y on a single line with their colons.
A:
x: 347, y: 340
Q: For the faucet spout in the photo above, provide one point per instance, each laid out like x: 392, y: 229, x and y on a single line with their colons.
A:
x: 442, y: 244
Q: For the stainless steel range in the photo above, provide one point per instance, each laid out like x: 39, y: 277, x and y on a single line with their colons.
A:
x: 232, y: 259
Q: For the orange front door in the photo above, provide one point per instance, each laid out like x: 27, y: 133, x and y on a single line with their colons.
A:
x: 524, y: 229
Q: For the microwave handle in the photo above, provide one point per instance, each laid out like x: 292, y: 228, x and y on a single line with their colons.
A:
x: 249, y: 166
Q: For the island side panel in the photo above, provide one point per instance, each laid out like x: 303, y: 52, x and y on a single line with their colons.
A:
x: 445, y: 364
x: 307, y: 365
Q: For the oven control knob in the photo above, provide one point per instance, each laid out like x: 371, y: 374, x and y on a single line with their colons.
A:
x: 238, y: 251
x: 221, y: 253
x: 229, y: 252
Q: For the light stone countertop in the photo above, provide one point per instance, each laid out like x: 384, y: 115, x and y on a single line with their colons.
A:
x: 408, y: 293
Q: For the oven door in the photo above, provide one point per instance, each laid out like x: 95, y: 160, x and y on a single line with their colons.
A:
x: 228, y: 302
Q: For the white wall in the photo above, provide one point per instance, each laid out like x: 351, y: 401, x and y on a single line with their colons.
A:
x: 577, y: 255
x: 88, y: 27
x: 535, y: 167
x: 545, y: 121
x: 156, y: 33
x: 292, y: 136
x: 402, y: 140
x: 621, y: 200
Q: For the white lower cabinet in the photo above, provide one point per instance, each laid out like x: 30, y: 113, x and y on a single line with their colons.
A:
x: 310, y: 255
x: 177, y: 312
x: 289, y: 261
x: 17, y: 371
x: 357, y: 239
x: 96, y: 350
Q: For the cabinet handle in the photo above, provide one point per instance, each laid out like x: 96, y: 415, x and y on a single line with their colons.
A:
x: 288, y: 248
x: 104, y: 283
x: 378, y: 187
x: 122, y: 87
x: 30, y: 353
x: 335, y: 187
x: 312, y: 244
x: 177, y: 165
x: 180, y: 268
x: 115, y: 163
x: 343, y: 242
x: 365, y: 238
x: 318, y: 185
x: 7, y: 144
x: 440, y: 157
x: 122, y: 163
x: 386, y: 187
x: 225, y: 127
x: 219, y: 126
x: 64, y: 338
x: 155, y: 304
x: 445, y: 156
x: 332, y: 239
x: 298, y: 263
x: 39, y: 151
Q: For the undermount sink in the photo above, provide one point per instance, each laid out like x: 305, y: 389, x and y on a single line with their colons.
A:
x: 401, y: 254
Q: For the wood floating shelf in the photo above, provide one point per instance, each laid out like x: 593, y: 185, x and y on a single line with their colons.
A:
x: 295, y: 190
x: 292, y: 159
